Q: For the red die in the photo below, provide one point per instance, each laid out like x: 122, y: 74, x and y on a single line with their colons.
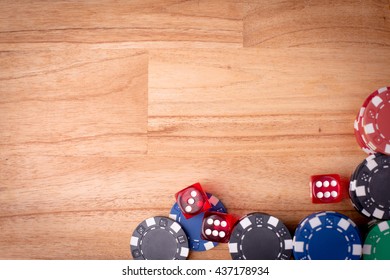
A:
x: 325, y: 188
x: 192, y: 200
x: 217, y: 226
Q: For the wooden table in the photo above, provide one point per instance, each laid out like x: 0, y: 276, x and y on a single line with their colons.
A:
x: 109, y: 108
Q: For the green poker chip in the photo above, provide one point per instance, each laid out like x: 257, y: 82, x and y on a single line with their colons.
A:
x: 377, y: 243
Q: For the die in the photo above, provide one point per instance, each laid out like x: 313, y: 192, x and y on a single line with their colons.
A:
x: 217, y: 226
x: 192, y: 200
x: 326, y: 188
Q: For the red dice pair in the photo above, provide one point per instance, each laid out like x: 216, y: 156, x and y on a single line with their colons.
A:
x: 216, y: 226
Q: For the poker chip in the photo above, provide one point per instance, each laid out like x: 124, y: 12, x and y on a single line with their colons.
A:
x: 352, y: 194
x: 159, y: 238
x: 327, y: 236
x: 259, y: 236
x: 329, y: 212
x: 372, y: 129
x: 370, y: 187
x: 359, y: 131
x: 377, y: 243
x: 375, y: 122
x: 313, y: 215
x: 192, y: 227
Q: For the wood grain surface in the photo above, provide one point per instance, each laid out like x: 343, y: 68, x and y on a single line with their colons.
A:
x: 108, y: 108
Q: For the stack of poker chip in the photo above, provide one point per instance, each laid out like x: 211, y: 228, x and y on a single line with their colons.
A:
x: 369, y: 188
x: 377, y: 243
x: 372, y: 127
x: 159, y: 238
x: 259, y: 236
x: 327, y: 236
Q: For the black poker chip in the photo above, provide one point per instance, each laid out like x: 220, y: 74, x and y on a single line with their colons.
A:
x: 352, y: 194
x: 159, y: 238
x: 259, y: 236
x: 369, y: 188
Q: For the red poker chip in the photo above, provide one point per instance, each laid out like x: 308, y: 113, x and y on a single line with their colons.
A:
x: 359, y: 138
x: 359, y: 131
x: 375, y: 122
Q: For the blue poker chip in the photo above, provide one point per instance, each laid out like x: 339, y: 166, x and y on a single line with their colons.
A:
x: 192, y: 227
x: 327, y: 236
x: 321, y: 213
